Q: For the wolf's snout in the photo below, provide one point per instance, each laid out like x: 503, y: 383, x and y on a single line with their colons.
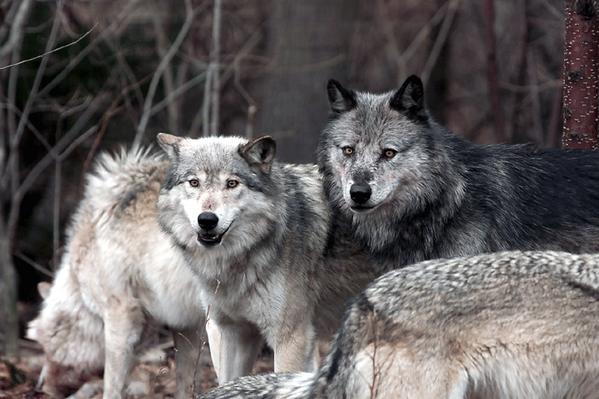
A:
x: 207, y: 220
x: 360, y: 193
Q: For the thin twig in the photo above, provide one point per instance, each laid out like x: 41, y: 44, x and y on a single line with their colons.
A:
x: 422, y: 34
x: 44, y: 270
x: 16, y: 192
x: 168, y: 80
x: 141, y: 127
x: 113, y: 109
x: 37, y: 57
x: 36, y: 133
x: 440, y: 40
x: 73, y: 62
x: 492, y: 71
x: 16, y: 31
x: 205, y: 115
x: 16, y: 138
x: 56, y: 204
x: 202, y: 117
x: 215, y: 68
x: 179, y: 91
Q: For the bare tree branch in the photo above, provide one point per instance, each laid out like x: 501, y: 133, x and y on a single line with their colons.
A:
x: 205, y: 115
x: 16, y: 30
x: 441, y: 39
x: 492, y: 73
x: 168, y: 80
x: 73, y: 62
x: 16, y: 138
x: 179, y: 91
x: 215, y: 68
x: 44, y: 270
x: 141, y: 127
x: 37, y: 57
x: 420, y: 37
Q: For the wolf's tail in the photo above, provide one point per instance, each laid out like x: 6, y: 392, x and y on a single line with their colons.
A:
x: 272, y: 386
x: 117, y: 176
x: 582, y: 271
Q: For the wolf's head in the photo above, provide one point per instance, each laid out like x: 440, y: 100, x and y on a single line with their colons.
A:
x: 376, y: 149
x: 215, y: 195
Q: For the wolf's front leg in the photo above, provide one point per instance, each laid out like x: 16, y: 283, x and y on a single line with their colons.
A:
x: 189, y: 343
x: 235, y: 350
x: 123, y: 324
x: 295, y: 349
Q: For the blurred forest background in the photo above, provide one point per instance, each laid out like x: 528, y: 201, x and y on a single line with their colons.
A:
x: 107, y: 73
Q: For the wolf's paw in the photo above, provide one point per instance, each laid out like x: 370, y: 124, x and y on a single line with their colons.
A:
x: 138, y: 389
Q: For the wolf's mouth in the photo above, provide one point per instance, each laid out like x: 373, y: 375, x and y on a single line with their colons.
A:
x: 210, y: 239
x: 361, y: 208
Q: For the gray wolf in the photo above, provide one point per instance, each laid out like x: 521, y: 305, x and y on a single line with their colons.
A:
x: 256, y: 234
x: 414, y: 191
x: 498, y: 326
x: 119, y: 273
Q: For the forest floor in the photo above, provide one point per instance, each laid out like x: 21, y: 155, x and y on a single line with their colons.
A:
x: 153, y: 376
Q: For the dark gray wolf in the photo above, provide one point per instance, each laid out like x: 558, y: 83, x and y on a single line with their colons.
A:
x: 414, y: 191
x: 255, y: 234
x: 119, y: 272
x: 495, y: 326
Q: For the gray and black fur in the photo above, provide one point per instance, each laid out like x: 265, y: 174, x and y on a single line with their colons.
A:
x: 494, y: 326
x: 434, y: 194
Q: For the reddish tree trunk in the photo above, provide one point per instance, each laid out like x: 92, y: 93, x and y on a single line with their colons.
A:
x: 581, y: 101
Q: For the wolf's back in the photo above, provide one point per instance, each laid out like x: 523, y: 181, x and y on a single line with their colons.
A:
x: 505, y: 323
x: 265, y: 386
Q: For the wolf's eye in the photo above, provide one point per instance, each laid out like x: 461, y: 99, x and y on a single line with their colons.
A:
x: 389, y: 153
x: 194, y: 183
x: 231, y: 183
x: 347, y: 150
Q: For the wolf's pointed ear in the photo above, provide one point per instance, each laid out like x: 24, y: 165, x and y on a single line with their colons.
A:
x: 259, y: 153
x: 169, y: 143
x: 409, y: 99
x: 44, y: 289
x: 340, y: 99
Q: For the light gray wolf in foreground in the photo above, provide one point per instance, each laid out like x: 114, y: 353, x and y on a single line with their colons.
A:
x: 414, y: 191
x: 256, y: 234
x: 496, y: 326
x: 119, y: 272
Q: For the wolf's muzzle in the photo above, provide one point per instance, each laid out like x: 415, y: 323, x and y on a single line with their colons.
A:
x: 207, y: 222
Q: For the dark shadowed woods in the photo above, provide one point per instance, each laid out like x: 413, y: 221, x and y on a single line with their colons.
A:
x: 80, y: 77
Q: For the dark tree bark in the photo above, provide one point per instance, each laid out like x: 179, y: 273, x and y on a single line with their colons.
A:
x: 581, y: 101
x: 8, y: 295
x: 492, y: 73
x: 308, y: 42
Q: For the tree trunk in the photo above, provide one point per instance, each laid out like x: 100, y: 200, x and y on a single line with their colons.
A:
x: 492, y: 72
x: 308, y: 42
x: 8, y: 295
x: 581, y: 102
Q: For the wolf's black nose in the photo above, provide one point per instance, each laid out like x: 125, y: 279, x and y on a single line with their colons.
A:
x: 207, y: 220
x: 360, y: 193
